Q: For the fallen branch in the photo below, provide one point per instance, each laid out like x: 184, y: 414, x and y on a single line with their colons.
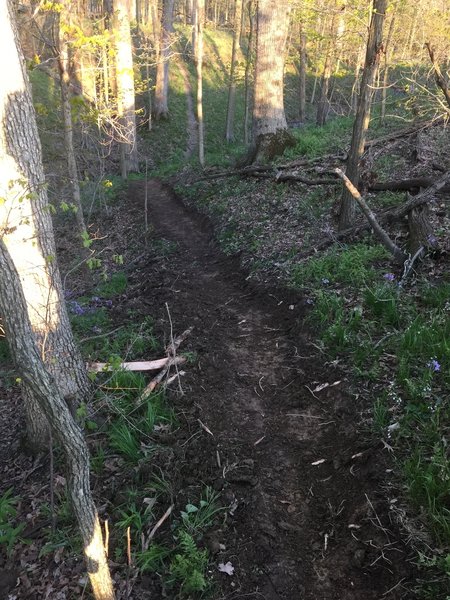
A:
x: 402, y: 133
x: 171, y: 362
x: 147, y: 365
x: 405, y: 185
x: 172, y: 348
x: 398, y: 254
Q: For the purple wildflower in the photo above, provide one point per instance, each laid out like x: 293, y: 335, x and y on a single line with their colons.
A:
x: 389, y: 276
x: 434, y: 365
x: 76, y: 308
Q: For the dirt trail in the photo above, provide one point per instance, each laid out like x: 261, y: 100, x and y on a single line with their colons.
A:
x: 310, y: 520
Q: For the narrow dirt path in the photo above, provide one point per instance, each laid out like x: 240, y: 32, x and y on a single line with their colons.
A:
x: 309, y: 519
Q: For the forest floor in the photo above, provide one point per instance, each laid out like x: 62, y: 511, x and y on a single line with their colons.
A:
x: 266, y: 421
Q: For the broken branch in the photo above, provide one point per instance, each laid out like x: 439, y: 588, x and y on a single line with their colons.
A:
x: 398, y: 254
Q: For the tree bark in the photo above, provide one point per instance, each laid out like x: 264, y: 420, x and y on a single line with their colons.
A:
x: 199, y: 20
x: 27, y: 231
x: 361, y: 124
x: 302, y: 74
x: 41, y: 386
x: 161, y: 101
x: 248, y: 64
x: 270, y: 131
x: 64, y: 82
x: 125, y: 89
x: 231, y: 106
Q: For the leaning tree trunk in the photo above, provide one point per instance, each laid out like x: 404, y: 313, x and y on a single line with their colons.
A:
x: 361, y: 124
x: 161, y: 102
x: 41, y: 386
x: 27, y: 231
x: 231, y: 106
x: 270, y: 132
x: 125, y: 89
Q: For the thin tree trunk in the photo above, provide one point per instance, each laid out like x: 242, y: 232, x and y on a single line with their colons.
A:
x: 387, y: 47
x: 323, y: 106
x: 41, y: 386
x: 248, y: 66
x: 302, y: 74
x: 161, y: 102
x: 64, y: 81
x: 200, y: 16
x: 360, y: 126
x: 231, y: 106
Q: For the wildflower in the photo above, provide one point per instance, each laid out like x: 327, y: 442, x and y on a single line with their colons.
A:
x: 76, y: 308
x: 434, y: 365
x: 325, y: 281
x: 389, y: 276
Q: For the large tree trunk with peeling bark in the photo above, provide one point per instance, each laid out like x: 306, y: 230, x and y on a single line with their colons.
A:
x: 270, y: 131
x: 361, y: 124
x: 125, y: 89
x: 161, y: 100
x: 41, y: 386
x: 27, y: 232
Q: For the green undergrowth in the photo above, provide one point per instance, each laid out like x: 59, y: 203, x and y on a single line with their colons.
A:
x: 398, y: 338
x: 128, y: 429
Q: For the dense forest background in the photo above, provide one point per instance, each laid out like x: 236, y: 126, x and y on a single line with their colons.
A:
x: 309, y: 139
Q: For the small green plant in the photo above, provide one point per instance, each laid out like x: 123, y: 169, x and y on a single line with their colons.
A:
x: 188, y: 566
x: 380, y: 416
x: 123, y: 438
x: 154, y: 558
x: 114, y: 286
x: 9, y: 533
x: 197, y: 518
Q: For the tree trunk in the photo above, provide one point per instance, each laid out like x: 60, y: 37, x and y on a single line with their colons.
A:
x: 387, y: 47
x: 41, y: 386
x: 125, y: 89
x: 270, y: 131
x: 302, y: 74
x: 248, y: 65
x: 360, y: 126
x: 199, y: 20
x: 160, y: 105
x: 64, y: 82
x: 420, y: 230
x: 229, y: 132
x: 27, y: 231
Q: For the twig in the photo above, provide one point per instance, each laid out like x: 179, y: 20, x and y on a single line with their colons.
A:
x: 160, y: 522
x: 174, y: 347
x: 100, y: 335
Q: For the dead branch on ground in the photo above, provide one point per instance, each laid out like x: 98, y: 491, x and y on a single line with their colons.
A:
x: 398, y: 254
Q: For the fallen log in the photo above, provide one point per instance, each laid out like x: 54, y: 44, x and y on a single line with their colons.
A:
x: 405, y: 185
x: 402, y: 133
